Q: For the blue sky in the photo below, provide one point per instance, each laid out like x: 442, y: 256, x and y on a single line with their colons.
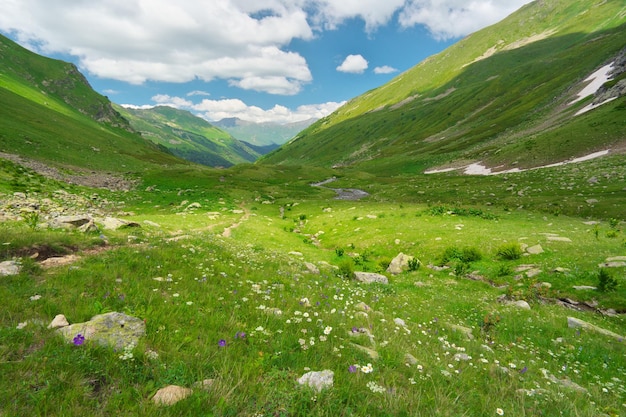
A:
x: 261, y: 60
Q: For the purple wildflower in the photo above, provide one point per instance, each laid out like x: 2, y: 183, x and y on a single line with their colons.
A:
x: 355, y: 329
x: 352, y: 369
x: 222, y: 343
x: 240, y: 335
x: 78, y: 340
x: 523, y: 370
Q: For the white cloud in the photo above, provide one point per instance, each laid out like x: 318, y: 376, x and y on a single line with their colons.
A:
x: 160, y: 40
x: 198, y: 93
x: 331, y: 13
x: 385, y: 69
x: 214, y: 110
x: 447, y: 19
x: 354, y: 64
x: 110, y: 91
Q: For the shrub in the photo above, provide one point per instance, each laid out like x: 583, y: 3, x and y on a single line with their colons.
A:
x: 606, y: 282
x: 414, y: 264
x: 339, y: 252
x: 509, y: 251
x: 465, y: 255
x: 346, y: 269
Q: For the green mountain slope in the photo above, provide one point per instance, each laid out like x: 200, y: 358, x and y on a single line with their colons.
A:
x: 49, y: 113
x: 499, y: 96
x: 188, y: 136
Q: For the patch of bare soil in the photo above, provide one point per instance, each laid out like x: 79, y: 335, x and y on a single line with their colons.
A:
x: 78, y: 176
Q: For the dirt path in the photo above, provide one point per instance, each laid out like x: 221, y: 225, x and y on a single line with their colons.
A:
x: 246, y: 215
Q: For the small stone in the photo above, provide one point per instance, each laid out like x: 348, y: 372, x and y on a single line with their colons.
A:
x: 616, y: 259
x: 465, y: 330
x: 171, y: 395
x: 317, y: 380
x: 410, y: 359
x: 312, y: 268
x: 9, y: 268
x: 573, y: 323
x: 58, y: 321
x: 559, y: 239
x: 612, y: 265
x: 531, y: 273
x: 204, y: 384
x: 295, y: 253
x: 561, y: 270
x: 584, y: 287
x: 534, y: 250
x: 519, y: 304
x: 591, y: 201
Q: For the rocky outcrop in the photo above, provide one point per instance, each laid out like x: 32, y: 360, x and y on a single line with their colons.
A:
x: 317, y: 380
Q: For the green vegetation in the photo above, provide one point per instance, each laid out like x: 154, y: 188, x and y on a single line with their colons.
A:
x: 188, y: 136
x: 500, y: 97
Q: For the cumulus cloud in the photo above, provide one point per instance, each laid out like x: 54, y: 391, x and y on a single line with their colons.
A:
x: 244, y: 42
x: 385, y: 69
x: 214, y: 110
x: 136, y: 41
x: 447, y: 19
x: 354, y: 64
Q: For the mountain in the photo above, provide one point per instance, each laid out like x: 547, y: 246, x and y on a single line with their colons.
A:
x: 500, y: 97
x: 262, y: 134
x: 188, y: 136
x: 50, y: 113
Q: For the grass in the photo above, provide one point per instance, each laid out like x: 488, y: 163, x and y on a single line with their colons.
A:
x: 214, y: 289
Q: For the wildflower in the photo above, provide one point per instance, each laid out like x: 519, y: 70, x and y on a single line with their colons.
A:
x: 240, y: 335
x: 189, y: 303
x: 151, y: 354
x: 78, y: 340
x: 128, y: 352
x: 353, y: 368
x: 221, y: 343
x: 374, y: 387
x: 499, y: 411
x: 523, y: 370
x: 176, y: 295
x: 367, y: 368
x: 327, y: 330
x: 21, y: 325
x: 323, y: 338
x: 35, y: 297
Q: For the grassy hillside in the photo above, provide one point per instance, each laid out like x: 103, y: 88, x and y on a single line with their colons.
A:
x: 188, y: 136
x: 50, y: 114
x: 499, y: 96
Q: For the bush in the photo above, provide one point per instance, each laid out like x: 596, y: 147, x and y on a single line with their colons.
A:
x: 414, y: 264
x: 606, y: 282
x: 346, y: 269
x: 509, y: 251
x: 465, y: 255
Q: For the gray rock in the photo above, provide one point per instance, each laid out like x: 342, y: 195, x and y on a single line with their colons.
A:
x: 531, y: 273
x: 318, y: 380
x: 171, y: 395
x: 573, y: 323
x: 563, y: 382
x: 88, y: 227
x: 312, y: 268
x: 559, y: 239
x: 519, y: 304
x: 58, y: 321
x: 111, y: 329
x: 534, y: 250
x: 410, y: 359
x: 9, y: 268
x: 616, y: 259
x: 70, y: 221
x: 584, y: 287
x: 399, y: 264
x: 112, y: 223
x: 465, y: 330
x: 612, y: 265
x: 370, y: 277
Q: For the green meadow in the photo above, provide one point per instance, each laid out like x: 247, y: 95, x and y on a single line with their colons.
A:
x: 226, y: 294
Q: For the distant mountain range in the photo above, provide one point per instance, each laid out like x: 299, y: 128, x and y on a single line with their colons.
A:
x: 188, y: 136
x: 262, y: 134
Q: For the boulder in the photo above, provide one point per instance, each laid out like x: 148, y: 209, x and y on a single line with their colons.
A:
x: 519, y: 304
x: 69, y: 222
x: 399, y: 264
x: 370, y: 277
x: 9, y: 268
x: 117, y: 330
x: 112, y: 223
x: 318, y: 380
x: 573, y: 323
x: 171, y: 395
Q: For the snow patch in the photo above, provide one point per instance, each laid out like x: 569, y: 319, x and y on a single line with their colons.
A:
x: 597, y: 79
